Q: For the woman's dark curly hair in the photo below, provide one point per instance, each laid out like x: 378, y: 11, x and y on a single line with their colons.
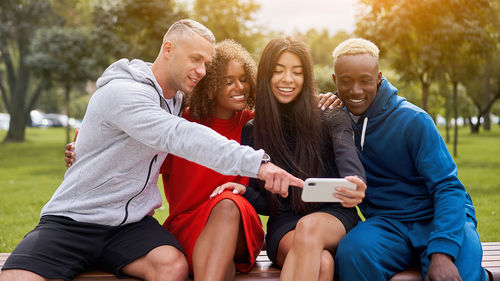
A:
x: 201, y: 102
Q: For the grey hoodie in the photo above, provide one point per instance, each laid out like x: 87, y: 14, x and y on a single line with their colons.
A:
x: 126, y: 133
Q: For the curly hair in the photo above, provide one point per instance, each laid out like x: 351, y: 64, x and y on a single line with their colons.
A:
x: 201, y: 101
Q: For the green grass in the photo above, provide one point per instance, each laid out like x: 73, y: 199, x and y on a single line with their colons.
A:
x: 31, y: 171
x: 478, y: 164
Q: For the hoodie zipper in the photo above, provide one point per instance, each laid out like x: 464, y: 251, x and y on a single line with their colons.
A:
x: 143, y: 188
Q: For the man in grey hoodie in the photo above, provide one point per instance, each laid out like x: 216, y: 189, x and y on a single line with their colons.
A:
x: 101, y: 214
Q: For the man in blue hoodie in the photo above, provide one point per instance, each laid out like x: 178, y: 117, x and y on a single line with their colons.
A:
x: 101, y: 214
x: 417, y: 210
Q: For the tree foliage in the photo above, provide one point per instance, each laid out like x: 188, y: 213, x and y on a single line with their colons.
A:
x: 430, y: 38
x: 19, y: 22
x: 322, y: 45
x: 60, y: 43
x: 65, y: 55
x: 423, y: 35
x: 229, y: 19
x: 139, y: 25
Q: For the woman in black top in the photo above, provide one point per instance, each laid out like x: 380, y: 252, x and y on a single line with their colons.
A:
x: 301, y: 237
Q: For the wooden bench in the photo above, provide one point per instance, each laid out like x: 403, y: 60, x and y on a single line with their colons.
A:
x: 264, y: 271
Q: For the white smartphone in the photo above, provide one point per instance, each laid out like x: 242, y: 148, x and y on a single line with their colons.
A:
x: 323, y: 189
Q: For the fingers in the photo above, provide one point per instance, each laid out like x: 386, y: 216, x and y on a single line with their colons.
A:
x: 68, y: 161
x: 277, y: 180
x: 325, y: 100
x: 270, y: 185
x: 348, y: 202
x: 237, y: 188
x: 329, y: 100
x: 360, y: 184
x: 280, y: 186
x: 69, y: 155
x: 296, y: 182
x: 351, y: 198
x: 336, y: 102
x: 272, y: 176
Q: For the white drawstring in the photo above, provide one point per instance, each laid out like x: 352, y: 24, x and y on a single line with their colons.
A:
x: 363, y: 131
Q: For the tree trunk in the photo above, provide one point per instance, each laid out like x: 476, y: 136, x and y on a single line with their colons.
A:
x: 18, y: 122
x: 18, y: 111
x: 18, y: 82
x: 474, y: 128
x: 66, y: 104
x: 425, y: 95
x: 455, y: 113
x: 486, y: 99
x: 447, y: 117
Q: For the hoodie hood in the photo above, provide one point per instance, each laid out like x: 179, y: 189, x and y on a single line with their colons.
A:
x: 136, y: 70
x: 140, y: 71
x: 386, y: 101
x: 384, y: 104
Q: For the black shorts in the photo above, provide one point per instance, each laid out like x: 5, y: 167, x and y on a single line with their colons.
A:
x: 62, y: 248
x: 278, y: 226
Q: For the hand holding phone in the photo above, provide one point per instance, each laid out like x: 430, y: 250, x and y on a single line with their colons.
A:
x: 323, y: 189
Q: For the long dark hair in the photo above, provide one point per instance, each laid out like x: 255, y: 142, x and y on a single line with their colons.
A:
x: 303, y: 116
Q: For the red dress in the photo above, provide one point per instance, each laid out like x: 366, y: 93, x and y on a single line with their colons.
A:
x: 188, y: 187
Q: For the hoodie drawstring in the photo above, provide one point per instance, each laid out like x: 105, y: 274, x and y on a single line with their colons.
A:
x: 363, y: 131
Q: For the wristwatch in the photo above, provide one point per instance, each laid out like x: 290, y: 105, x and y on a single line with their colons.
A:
x: 265, y: 159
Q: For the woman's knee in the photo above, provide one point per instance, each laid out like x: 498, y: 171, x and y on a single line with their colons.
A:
x: 316, y: 229
x: 226, y: 209
x: 307, y: 226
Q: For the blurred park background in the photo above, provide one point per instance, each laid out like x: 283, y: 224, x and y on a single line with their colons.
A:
x: 443, y: 55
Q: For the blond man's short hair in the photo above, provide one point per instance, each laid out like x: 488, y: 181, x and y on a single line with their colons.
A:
x: 188, y: 27
x: 355, y: 46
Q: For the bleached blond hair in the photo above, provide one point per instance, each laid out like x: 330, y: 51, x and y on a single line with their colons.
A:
x: 355, y: 46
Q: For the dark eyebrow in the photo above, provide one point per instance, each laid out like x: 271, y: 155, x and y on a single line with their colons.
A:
x: 295, y: 66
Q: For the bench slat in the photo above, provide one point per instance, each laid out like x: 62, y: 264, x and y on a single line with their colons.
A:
x: 264, y: 271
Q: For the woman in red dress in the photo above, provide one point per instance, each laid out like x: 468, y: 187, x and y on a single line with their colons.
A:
x: 223, y: 233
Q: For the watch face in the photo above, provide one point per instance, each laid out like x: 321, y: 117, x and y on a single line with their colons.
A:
x: 266, y: 158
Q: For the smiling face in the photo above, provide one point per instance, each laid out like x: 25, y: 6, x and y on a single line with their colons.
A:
x: 234, y: 91
x: 288, y: 78
x: 186, y: 61
x: 357, y: 77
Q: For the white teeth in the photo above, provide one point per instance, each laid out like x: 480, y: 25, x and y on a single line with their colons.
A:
x: 355, y: 101
x: 238, y: 97
x: 285, y: 89
x: 194, y: 80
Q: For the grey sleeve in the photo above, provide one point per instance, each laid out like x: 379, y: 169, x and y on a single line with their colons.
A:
x: 136, y: 111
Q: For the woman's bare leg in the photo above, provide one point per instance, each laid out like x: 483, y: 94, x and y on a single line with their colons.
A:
x: 310, y: 245
x: 215, y: 248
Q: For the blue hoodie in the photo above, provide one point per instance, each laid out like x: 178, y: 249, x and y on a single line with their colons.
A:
x: 411, y: 176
